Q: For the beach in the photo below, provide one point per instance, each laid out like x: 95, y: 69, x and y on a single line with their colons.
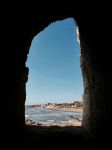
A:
x: 52, y: 116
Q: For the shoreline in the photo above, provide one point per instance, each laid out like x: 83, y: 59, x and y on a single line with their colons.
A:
x: 75, y: 110
x: 45, y: 124
x: 72, y: 121
x: 76, y: 106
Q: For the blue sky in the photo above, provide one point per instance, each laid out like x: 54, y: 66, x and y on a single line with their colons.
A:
x: 54, y: 65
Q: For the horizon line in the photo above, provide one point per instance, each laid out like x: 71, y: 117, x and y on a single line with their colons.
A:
x: 55, y: 102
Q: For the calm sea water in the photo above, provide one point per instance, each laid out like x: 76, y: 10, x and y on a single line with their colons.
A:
x: 46, y: 116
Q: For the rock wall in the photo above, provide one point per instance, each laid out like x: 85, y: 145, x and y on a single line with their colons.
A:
x: 21, y: 29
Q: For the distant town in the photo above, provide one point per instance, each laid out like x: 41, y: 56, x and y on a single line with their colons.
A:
x: 74, y: 106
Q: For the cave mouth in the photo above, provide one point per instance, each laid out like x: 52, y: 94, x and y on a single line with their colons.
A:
x: 41, y: 108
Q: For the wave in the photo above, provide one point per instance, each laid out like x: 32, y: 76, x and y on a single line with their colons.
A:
x: 27, y: 116
x: 49, y: 116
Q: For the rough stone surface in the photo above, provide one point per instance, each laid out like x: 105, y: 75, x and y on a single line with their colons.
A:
x: 20, y: 27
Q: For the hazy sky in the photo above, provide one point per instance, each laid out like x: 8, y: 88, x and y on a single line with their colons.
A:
x: 54, y: 65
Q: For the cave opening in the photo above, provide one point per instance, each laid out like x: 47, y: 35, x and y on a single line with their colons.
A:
x: 55, y: 87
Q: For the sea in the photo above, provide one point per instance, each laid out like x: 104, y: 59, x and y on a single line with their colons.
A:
x: 49, y: 117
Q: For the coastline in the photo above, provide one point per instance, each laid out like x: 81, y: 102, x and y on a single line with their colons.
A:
x: 75, y: 110
x: 72, y: 121
x: 76, y: 106
x: 60, y: 124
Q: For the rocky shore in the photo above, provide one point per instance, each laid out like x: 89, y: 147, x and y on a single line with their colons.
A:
x: 76, y: 107
x: 72, y: 122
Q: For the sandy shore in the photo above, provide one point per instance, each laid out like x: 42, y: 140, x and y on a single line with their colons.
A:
x: 76, y: 110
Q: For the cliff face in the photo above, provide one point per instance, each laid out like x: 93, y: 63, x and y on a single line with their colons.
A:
x: 20, y: 27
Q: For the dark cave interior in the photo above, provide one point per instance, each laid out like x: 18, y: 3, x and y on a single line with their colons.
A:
x: 97, y: 104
